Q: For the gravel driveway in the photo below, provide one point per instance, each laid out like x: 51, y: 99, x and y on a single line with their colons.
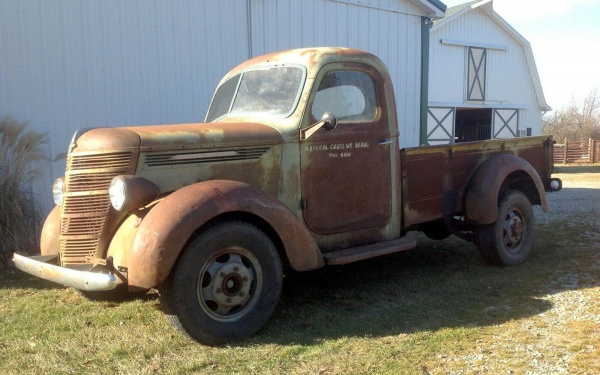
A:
x: 574, y: 295
x: 565, y: 339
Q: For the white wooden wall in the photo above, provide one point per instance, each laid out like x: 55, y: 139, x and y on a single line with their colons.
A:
x: 72, y: 64
x: 508, y: 83
x: 66, y: 65
x: 389, y: 29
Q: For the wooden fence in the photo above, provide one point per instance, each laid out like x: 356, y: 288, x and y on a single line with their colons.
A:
x: 587, y: 152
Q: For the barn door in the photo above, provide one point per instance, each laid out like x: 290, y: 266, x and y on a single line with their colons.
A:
x: 440, y: 126
x: 476, y: 73
x: 505, y: 123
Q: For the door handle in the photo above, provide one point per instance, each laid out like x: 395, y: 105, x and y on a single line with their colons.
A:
x: 386, y: 141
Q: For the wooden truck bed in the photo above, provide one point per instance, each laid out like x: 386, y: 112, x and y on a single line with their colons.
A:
x: 434, y: 178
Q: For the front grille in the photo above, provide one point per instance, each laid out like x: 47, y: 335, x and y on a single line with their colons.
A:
x: 101, y: 160
x: 90, y: 181
x: 86, y: 202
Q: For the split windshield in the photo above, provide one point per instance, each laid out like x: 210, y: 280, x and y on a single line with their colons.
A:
x: 273, y: 91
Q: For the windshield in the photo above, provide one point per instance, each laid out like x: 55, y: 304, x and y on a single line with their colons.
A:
x: 274, y: 91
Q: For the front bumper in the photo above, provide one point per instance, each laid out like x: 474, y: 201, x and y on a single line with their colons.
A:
x: 82, y: 280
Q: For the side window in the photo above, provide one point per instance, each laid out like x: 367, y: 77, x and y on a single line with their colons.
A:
x: 349, y: 95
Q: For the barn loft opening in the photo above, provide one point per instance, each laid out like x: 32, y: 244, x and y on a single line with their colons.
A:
x: 473, y: 124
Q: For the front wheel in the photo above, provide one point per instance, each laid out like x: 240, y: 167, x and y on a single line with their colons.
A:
x: 225, y: 286
x: 507, y: 242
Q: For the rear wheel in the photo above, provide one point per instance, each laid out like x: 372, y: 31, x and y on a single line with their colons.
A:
x: 225, y: 286
x: 509, y: 240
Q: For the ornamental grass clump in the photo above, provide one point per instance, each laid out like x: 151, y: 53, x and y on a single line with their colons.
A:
x: 21, y: 161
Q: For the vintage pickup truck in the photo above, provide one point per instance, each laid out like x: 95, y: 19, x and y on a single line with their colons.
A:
x: 296, y: 167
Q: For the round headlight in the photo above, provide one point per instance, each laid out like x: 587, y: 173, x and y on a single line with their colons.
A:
x: 117, y: 192
x: 58, y: 190
x: 130, y: 192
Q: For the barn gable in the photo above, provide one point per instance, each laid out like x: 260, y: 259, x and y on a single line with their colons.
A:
x: 483, y: 76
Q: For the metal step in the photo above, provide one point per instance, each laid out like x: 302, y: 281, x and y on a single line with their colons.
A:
x: 370, y: 251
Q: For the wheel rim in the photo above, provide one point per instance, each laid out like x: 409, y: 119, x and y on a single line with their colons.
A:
x: 229, y: 284
x: 513, y: 229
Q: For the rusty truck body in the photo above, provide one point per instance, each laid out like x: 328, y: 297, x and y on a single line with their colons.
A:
x: 297, y: 166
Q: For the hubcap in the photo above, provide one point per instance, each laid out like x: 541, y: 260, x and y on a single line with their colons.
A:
x: 513, y: 229
x: 229, y: 283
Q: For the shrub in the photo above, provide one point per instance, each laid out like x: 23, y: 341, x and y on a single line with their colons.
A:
x: 21, y: 161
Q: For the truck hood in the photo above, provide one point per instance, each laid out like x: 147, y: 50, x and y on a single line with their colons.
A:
x: 176, y: 137
x: 210, y: 135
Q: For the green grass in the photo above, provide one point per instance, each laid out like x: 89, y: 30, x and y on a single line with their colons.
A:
x: 436, y: 309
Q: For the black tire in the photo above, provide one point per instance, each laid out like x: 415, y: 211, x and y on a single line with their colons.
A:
x: 509, y: 240
x: 120, y: 293
x: 225, y: 286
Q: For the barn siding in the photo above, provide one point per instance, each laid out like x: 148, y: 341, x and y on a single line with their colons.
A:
x: 68, y: 64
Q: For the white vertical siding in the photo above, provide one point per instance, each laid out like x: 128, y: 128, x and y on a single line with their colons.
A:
x: 392, y: 33
x: 67, y: 64
x: 508, y: 80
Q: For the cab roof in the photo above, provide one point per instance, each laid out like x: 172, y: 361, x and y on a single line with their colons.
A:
x: 312, y: 58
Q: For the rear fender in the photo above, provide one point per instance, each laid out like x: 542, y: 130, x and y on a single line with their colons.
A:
x: 163, y: 231
x: 481, y: 202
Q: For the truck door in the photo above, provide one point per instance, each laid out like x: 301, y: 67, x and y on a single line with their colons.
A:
x: 345, y: 172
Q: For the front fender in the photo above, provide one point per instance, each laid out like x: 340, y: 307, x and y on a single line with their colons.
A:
x: 50, y: 238
x: 163, y: 230
x: 481, y: 201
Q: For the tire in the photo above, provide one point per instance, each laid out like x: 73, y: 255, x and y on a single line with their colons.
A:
x: 508, y: 241
x: 225, y: 286
x: 120, y: 293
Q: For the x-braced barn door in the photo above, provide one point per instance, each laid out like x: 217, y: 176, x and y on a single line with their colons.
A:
x: 476, y: 73
x: 440, y: 126
x: 505, y: 123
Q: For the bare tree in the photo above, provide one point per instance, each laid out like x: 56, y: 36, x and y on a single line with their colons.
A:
x: 578, y: 121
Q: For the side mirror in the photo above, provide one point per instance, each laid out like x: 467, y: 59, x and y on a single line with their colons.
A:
x: 328, y: 121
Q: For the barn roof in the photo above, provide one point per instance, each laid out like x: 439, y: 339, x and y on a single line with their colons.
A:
x: 433, y: 8
x: 455, y: 9
x: 487, y: 6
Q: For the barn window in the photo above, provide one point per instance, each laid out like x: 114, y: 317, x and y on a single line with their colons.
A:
x: 476, y: 63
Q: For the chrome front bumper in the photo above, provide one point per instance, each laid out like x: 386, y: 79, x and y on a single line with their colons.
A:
x: 82, y: 280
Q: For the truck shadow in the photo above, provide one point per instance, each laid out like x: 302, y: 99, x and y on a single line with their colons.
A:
x: 12, y: 278
x: 423, y: 290
x: 438, y: 285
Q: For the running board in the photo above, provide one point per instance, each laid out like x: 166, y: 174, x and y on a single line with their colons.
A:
x: 370, y: 251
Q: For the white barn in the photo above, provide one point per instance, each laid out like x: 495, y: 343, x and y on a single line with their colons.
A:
x: 66, y: 65
x: 483, y: 80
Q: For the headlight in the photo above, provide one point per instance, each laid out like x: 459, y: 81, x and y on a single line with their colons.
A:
x: 130, y: 192
x: 117, y: 193
x: 58, y: 190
